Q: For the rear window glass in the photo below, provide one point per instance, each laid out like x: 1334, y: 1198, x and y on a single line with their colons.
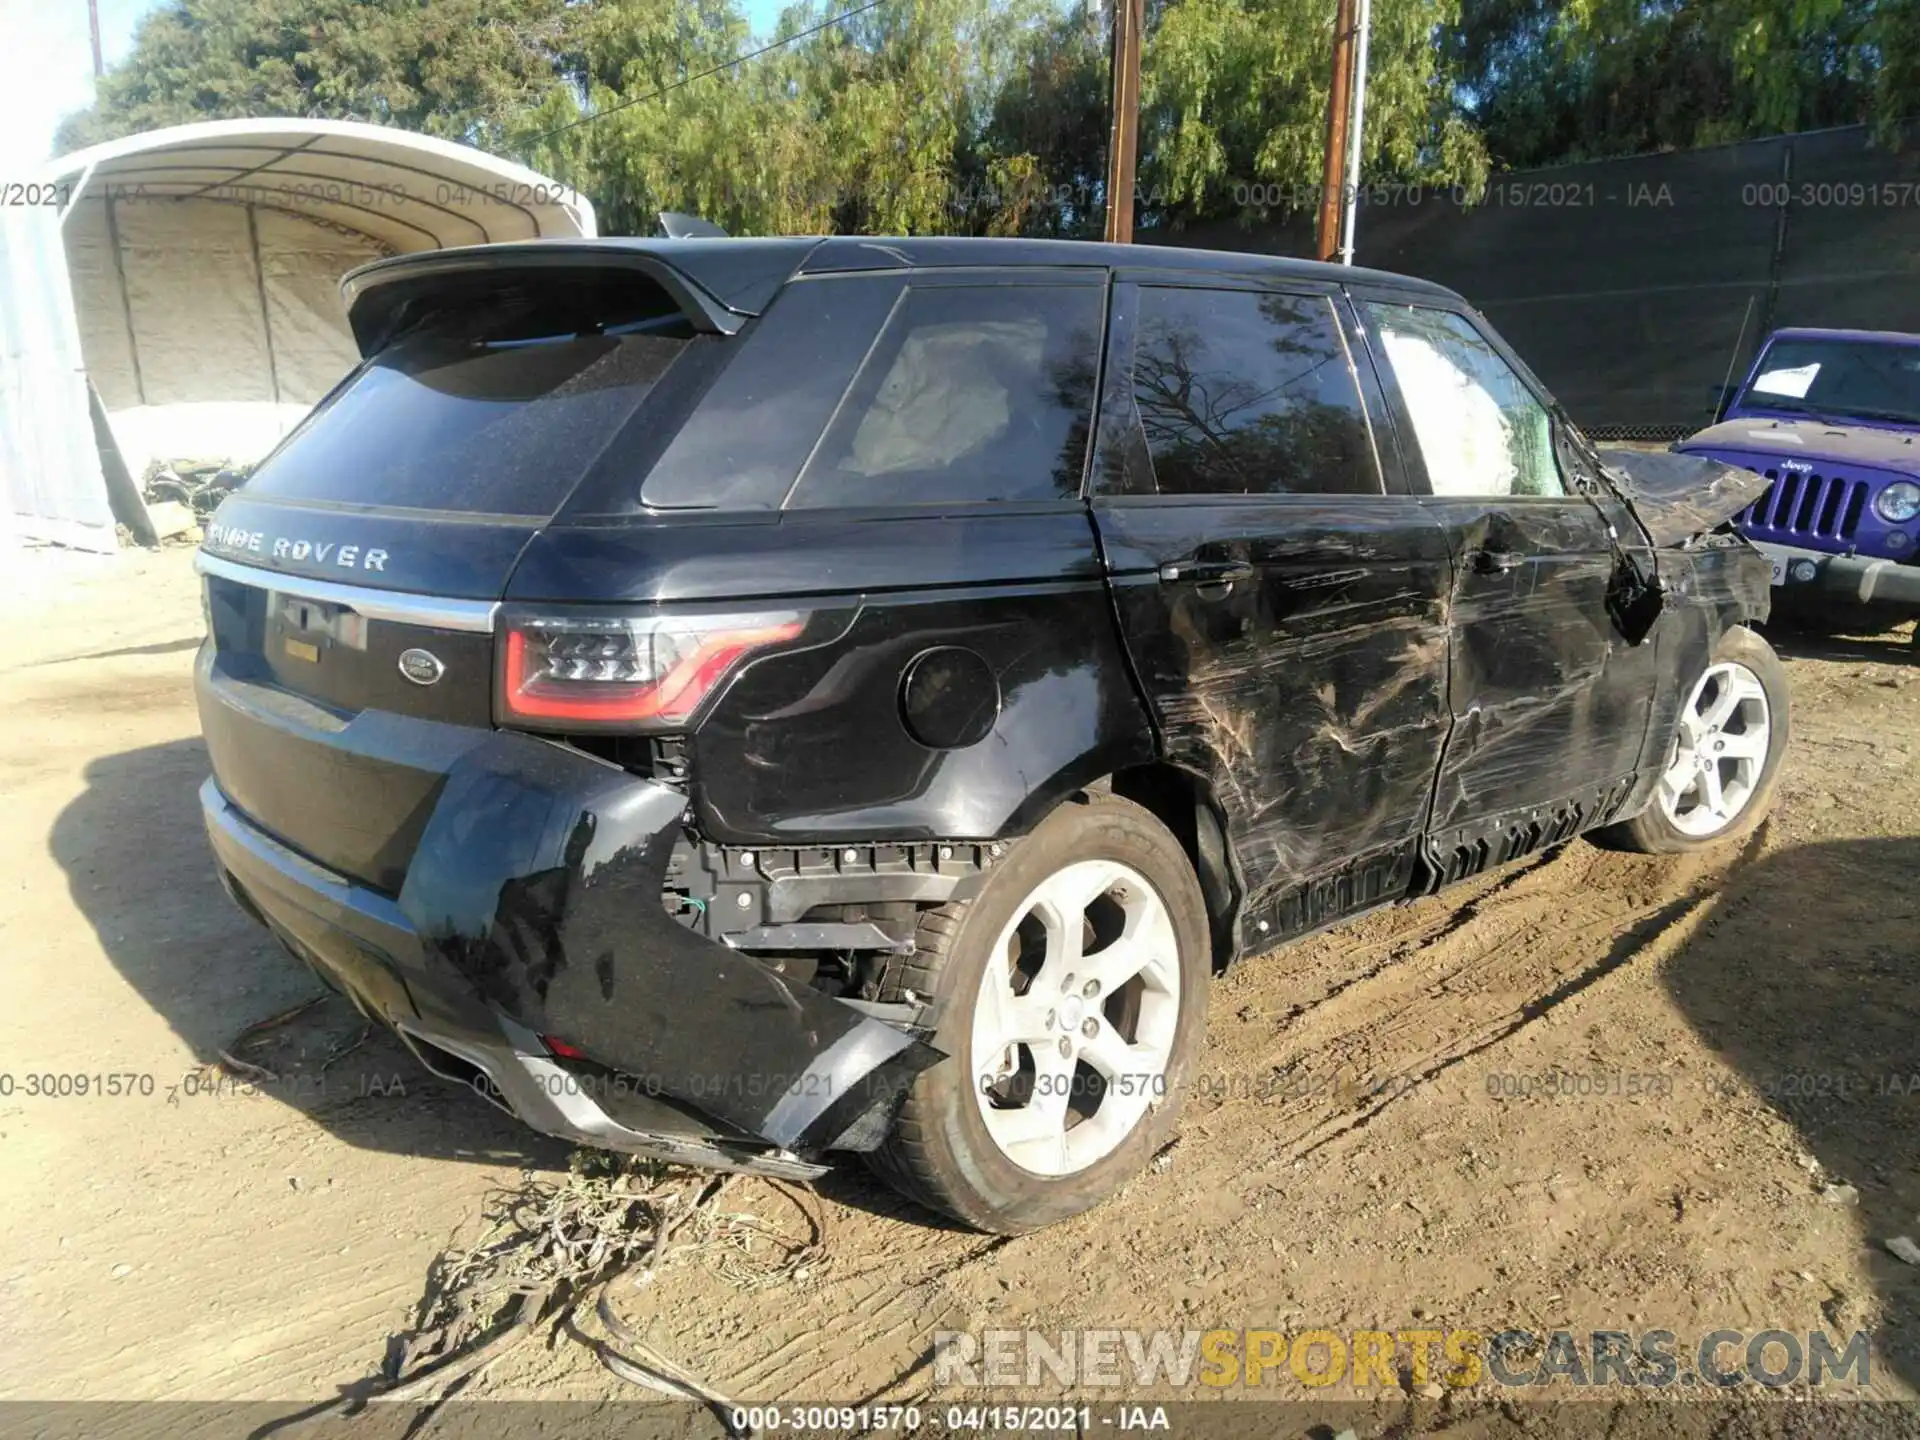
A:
x: 502, y: 427
x: 757, y: 423
x: 971, y: 393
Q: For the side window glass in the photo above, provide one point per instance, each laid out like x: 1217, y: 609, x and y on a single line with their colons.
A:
x: 754, y: 428
x: 1481, y: 431
x: 1241, y: 392
x: 972, y: 393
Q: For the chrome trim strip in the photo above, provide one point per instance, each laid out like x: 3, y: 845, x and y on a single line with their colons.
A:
x: 397, y: 605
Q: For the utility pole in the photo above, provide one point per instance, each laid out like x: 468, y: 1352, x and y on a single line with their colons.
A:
x: 1123, y: 141
x: 93, y: 24
x: 1333, y: 172
x: 1356, y: 132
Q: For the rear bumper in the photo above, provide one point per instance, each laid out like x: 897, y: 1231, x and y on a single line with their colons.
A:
x: 1854, y: 579
x: 532, y: 906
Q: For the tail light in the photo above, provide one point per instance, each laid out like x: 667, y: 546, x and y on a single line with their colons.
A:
x: 626, y: 672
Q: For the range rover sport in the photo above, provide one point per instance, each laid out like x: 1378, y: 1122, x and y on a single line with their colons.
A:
x: 750, y: 701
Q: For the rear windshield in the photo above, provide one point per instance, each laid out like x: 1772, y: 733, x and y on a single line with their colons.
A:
x: 486, y: 426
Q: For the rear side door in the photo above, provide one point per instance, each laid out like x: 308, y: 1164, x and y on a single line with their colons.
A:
x: 1549, y: 701
x: 1283, y: 601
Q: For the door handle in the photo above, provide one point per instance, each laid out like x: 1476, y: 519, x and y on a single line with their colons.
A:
x: 1497, y: 562
x: 1195, y: 571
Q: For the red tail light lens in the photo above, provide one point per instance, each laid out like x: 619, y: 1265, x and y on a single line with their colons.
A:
x: 626, y: 672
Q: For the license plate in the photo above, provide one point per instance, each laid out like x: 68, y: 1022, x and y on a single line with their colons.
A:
x: 319, y: 620
x: 1779, y: 570
x: 300, y: 650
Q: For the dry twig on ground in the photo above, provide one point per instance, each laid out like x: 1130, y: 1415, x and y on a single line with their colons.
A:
x: 553, y: 1250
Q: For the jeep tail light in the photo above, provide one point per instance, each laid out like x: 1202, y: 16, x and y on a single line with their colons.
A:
x: 626, y: 672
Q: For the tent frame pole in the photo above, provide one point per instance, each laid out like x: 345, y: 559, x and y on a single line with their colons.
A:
x: 260, y: 290
x: 126, y: 300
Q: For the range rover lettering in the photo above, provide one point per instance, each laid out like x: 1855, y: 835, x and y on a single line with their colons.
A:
x: 876, y: 685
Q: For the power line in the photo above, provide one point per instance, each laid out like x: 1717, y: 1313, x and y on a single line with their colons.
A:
x: 689, y: 79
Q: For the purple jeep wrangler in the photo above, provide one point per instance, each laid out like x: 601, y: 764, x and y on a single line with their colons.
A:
x: 1832, y: 418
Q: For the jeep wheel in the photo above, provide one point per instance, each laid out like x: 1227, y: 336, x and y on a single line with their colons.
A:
x: 1725, y: 759
x: 1071, y: 994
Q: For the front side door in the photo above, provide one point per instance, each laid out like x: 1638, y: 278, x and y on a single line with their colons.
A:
x: 1549, y: 701
x: 1284, y: 612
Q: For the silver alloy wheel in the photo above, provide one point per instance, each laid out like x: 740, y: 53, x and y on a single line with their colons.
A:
x: 1720, y: 752
x: 1074, y: 1023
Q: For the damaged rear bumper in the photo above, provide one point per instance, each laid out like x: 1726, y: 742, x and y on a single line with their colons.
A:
x: 532, y: 908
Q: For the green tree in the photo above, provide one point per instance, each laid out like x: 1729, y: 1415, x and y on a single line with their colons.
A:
x: 1547, y: 82
x: 632, y: 125
x: 1235, y: 97
x: 874, y: 124
x: 454, y: 68
x: 989, y: 116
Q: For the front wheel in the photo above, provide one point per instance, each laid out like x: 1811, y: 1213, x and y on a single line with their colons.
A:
x: 1724, y: 759
x: 1071, y: 994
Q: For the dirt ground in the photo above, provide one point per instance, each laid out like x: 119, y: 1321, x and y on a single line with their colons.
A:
x: 1380, y: 1141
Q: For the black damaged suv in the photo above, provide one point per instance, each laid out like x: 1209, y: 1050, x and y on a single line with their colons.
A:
x: 745, y: 700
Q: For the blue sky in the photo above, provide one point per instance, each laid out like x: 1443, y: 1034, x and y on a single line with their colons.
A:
x: 46, y: 69
x: 46, y: 66
x: 763, y: 14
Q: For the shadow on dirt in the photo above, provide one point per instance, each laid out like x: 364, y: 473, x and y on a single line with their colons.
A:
x: 136, y: 860
x: 1804, y: 979
x: 161, y: 647
x: 137, y: 863
x: 1806, y: 637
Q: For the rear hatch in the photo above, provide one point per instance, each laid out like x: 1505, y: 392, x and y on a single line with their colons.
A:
x: 352, y: 582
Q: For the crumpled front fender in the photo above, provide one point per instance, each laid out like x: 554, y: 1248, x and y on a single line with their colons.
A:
x: 1676, y: 495
x: 538, y: 882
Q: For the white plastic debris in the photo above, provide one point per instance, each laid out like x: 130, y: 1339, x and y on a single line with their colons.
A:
x: 170, y: 518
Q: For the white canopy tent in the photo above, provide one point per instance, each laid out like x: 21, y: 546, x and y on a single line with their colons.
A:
x: 192, y: 274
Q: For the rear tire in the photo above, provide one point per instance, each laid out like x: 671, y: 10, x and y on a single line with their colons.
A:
x: 1724, y: 761
x: 1112, y: 1050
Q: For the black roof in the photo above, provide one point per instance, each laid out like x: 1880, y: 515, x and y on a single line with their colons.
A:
x: 744, y: 274
x: 859, y: 252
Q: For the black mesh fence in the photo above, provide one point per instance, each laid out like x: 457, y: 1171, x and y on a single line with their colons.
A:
x: 1633, y: 286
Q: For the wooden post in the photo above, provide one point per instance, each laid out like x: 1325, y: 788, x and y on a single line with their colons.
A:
x: 1124, y: 136
x: 1333, y: 173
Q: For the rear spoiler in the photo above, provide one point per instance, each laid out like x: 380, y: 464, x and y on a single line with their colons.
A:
x: 737, y: 278
x: 677, y: 225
